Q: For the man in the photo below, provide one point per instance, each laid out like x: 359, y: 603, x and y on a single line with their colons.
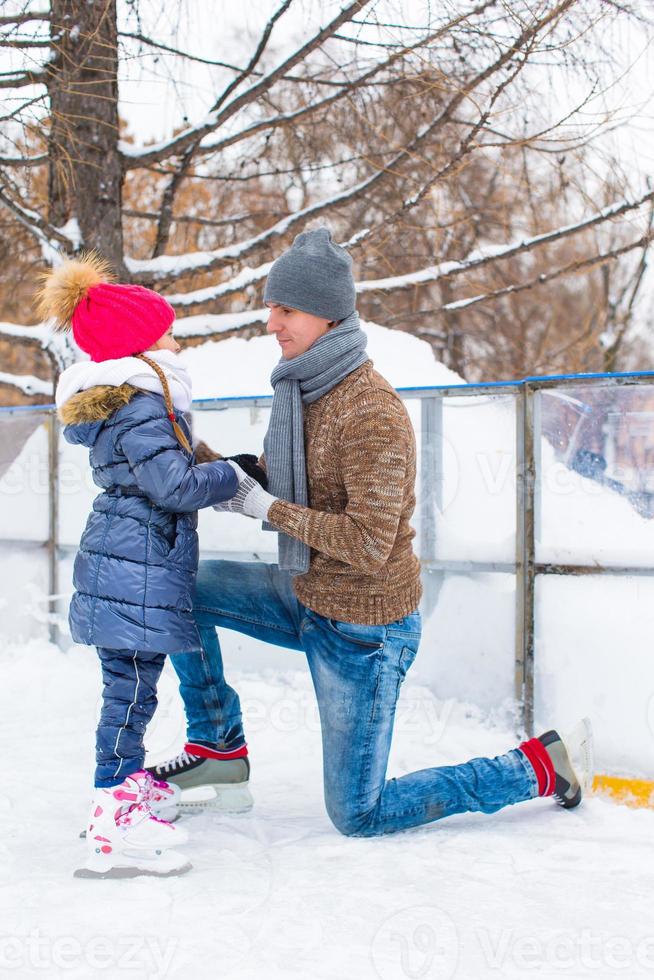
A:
x: 341, y: 462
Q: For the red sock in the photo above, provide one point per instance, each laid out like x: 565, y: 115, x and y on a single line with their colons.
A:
x: 541, y: 764
x: 193, y: 748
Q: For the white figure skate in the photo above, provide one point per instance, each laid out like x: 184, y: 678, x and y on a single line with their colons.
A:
x: 124, y: 838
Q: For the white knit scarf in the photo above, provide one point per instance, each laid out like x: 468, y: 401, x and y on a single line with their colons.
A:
x: 128, y: 370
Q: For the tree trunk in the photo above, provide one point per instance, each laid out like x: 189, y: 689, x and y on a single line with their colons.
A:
x: 85, y: 172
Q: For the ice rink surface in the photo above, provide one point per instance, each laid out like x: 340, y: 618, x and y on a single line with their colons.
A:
x: 277, y: 892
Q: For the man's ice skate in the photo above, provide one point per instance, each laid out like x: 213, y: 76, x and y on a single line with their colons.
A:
x: 581, y: 750
x: 205, y: 780
x: 564, y: 766
x: 125, y: 839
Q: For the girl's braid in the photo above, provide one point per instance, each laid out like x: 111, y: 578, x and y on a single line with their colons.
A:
x: 181, y: 438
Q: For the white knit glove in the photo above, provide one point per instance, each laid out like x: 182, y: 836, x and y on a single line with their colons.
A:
x: 250, y: 498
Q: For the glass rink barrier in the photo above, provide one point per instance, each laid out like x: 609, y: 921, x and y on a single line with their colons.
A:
x: 534, y: 527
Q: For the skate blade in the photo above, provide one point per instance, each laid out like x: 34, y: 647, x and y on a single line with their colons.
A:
x: 132, y: 872
x: 581, y: 749
x: 217, y: 796
x: 130, y: 862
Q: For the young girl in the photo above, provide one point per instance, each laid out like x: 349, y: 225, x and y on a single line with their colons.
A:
x: 135, y: 570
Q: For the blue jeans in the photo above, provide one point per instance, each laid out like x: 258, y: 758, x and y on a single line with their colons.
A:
x: 129, y: 700
x: 357, y: 672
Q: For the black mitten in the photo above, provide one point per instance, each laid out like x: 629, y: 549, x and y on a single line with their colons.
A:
x: 250, y: 465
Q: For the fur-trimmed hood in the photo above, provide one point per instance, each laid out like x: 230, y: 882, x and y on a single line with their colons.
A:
x: 96, y: 404
x: 87, y: 412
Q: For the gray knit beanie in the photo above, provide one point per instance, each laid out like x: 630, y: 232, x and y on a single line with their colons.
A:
x: 314, y: 275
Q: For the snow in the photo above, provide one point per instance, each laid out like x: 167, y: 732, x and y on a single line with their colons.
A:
x: 209, y: 324
x: 40, y: 332
x: 238, y: 367
x: 71, y: 229
x: 276, y: 892
x: 246, y: 277
x: 145, y: 154
x: 28, y: 383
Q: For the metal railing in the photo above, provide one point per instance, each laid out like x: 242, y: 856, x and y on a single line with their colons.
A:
x: 524, y: 567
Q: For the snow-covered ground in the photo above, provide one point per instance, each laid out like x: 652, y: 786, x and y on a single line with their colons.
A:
x: 278, y: 893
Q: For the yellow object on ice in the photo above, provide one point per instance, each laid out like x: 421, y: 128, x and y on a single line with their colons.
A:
x: 631, y: 792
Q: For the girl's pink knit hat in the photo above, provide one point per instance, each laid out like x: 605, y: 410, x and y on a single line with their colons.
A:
x: 108, y: 319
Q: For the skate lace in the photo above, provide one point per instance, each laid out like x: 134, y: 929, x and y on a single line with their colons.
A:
x: 125, y: 817
x: 181, y: 760
x: 152, y: 784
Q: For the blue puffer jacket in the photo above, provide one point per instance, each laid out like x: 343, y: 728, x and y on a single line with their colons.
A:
x: 135, y: 571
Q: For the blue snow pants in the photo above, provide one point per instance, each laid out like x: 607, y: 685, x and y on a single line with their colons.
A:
x: 129, y: 700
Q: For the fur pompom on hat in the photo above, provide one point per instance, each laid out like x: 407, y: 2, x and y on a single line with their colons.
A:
x: 108, y: 319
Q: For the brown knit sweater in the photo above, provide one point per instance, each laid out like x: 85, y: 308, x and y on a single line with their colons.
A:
x: 361, y: 468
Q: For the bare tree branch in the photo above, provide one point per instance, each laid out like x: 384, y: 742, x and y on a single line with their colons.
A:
x: 163, y: 230
x: 29, y: 384
x: 432, y: 274
x: 166, y: 272
x: 25, y: 17
x: 21, y: 108
x: 195, y: 327
x: 642, y: 267
x: 24, y: 161
x: 300, y: 79
x: 191, y: 219
x: 46, y: 235
x: 137, y: 36
x: 456, y: 158
x: 313, y: 107
x: 256, y: 57
x: 570, y: 269
x: 164, y: 223
x: 294, y: 116
x: 168, y: 201
x: 491, y: 255
x: 178, y: 144
x: 346, y: 88
x: 23, y: 78
x: 29, y: 43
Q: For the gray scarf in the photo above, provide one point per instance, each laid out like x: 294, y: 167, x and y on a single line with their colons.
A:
x: 297, y: 382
